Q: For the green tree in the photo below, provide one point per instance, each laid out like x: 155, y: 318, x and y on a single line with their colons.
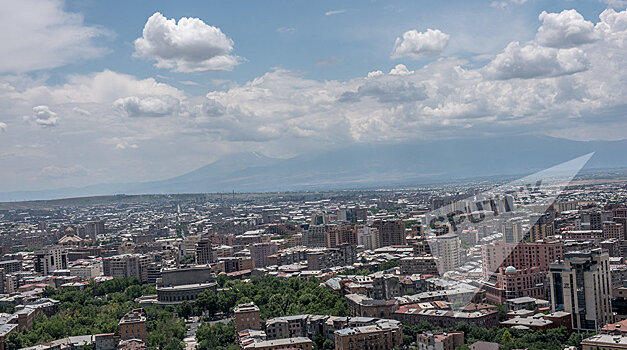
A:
x: 185, y: 310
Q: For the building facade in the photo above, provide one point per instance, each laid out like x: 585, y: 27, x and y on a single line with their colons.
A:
x: 580, y: 285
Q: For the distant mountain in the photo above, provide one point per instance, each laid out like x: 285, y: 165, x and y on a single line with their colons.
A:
x: 366, y: 165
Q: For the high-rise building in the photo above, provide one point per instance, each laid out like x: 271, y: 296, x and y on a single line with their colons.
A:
x: 541, y: 228
x: 127, y: 266
x: 260, y: 252
x: 50, y: 259
x: 368, y: 237
x: 613, y: 229
x: 592, y: 220
x: 580, y: 285
x: 314, y: 236
x: 204, y: 253
x: 446, y: 249
x: 521, y: 256
x: 512, y: 231
x: 340, y: 234
x: 94, y: 228
x: 391, y: 232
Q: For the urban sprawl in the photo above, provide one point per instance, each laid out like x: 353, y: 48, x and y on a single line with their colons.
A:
x: 376, y: 269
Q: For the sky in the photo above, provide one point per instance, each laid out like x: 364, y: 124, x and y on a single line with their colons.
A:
x: 117, y: 91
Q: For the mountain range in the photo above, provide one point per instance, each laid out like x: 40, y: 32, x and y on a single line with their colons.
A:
x: 365, y: 166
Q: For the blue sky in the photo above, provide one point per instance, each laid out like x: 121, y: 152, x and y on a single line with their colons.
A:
x: 361, y: 37
x: 84, y: 102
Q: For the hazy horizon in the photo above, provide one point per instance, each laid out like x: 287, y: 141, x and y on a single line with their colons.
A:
x: 95, y: 92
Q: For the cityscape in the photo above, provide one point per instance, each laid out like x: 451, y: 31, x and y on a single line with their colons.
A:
x: 313, y: 175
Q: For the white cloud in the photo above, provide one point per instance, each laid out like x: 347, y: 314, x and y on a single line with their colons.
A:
x: 187, y: 46
x: 97, y: 88
x: 152, y: 106
x: 81, y: 111
x: 446, y: 98
x: 499, y: 4
x: 285, y: 29
x: 533, y: 61
x: 123, y: 143
x: 504, y: 4
x: 618, y: 4
x: 613, y: 23
x: 3, y: 127
x: 334, y: 12
x: 400, y: 69
x: 283, y: 112
x: 565, y: 29
x: 40, y: 34
x: 414, y: 44
x: 188, y: 82
x: 43, y: 116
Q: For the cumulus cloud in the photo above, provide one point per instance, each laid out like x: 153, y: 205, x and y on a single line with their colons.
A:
x: 620, y: 4
x: 533, y: 61
x: 102, y: 88
x: 288, y: 113
x: 613, y: 23
x: 400, y: 69
x: 151, y: 106
x: 43, y: 116
x: 190, y: 45
x: 40, y: 34
x: 560, y: 88
x: 414, y: 44
x: 376, y: 73
x: 565, y: 29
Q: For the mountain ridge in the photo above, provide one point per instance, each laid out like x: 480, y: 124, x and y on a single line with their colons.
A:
x: 362, y: 165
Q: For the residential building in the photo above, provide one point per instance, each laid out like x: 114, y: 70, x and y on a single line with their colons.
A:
x: 440, y: 341
x: 446, y: 249
x: 260, y: 252
x: 384, y: 334
x: 247, y: 316
x: 50, y: 259
x: 133, y: 325
x: 127, y: 266
x: 580, y: 285
x: 523, y: 255
x: 391, y: 232
x: 605, y: 342
x: 204, y: 252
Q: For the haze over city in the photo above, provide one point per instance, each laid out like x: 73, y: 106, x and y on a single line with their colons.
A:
x: 110, y: 92
x: 313, y: 175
